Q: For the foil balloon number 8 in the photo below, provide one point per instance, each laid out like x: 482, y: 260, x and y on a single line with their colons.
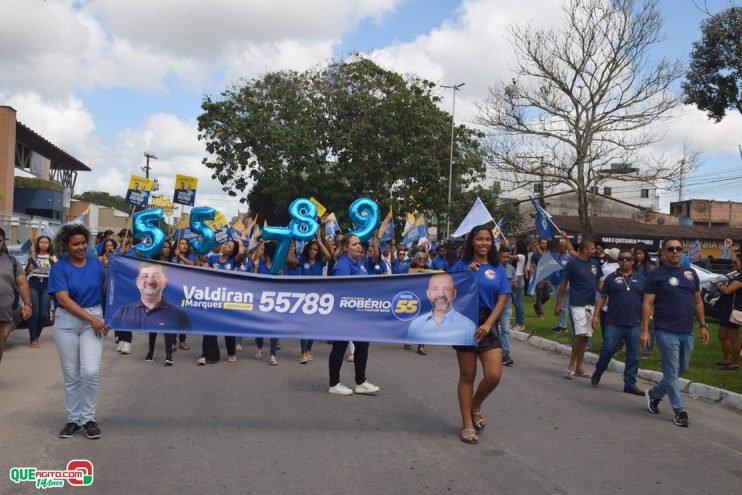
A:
x: 302, y: 227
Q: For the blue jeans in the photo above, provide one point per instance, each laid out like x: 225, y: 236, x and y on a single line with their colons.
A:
x: 306, y: 345
x: 518, y: 301
x: 504, y: 324
x: 675, y: 350
x: 273, y: 344
x: 80, y: 352
x: 564, y: 310
x: 40, y: 300
x: 612, y: 336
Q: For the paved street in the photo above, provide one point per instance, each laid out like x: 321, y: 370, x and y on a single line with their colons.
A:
x: 252, y: 428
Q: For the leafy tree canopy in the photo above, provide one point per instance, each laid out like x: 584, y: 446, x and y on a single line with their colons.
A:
x: 103, y: 199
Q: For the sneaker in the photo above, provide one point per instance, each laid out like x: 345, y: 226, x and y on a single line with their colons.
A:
x: 652, y: 403
x: 150, y: 357
x: 632, y: 389
x: 367, y: 388
x: 259, y: 354
x: 350, y: 358
x: 595, y: 379
x: 126, y: 348
x: 273, y: 361
x: 91, y: 430
x: 168, y: 361
x: 69, y: 430
x: 507, y: 361
x: 681, y: 419
x: 340, y: 389
x: 119, y: 345
x: 238, y: 348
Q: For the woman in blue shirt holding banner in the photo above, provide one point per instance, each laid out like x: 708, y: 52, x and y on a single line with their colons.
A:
x: 76, y: 282
x: 350, y: 263
x: 481, y: 256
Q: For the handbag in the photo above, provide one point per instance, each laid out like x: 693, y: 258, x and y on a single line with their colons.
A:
x: 736, y: 316
x: 49, y: 317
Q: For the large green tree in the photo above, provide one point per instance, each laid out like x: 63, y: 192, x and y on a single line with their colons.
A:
x: 104, y: 199
x: 714, y: 78
x: 339, y: 132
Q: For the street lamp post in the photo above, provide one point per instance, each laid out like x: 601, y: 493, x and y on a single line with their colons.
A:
x: 455, y: 88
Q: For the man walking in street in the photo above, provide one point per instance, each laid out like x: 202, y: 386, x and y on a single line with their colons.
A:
x: 623, y: 290
x: 672, y: 294
x: 583, y: 275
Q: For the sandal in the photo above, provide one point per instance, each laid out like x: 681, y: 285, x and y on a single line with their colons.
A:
x: 173, y: 348
x: 468, y: 436
x: 304, y: 359
x: 310, y: 357
x: 479, y: 424
x: 184, y: 346
x: 259, y: 354
x: 231, y: 359
x: 583, y: 374
x: 272, y: 361
x: 201, y: 361
x: 421, y: 350
x: 569, y: 375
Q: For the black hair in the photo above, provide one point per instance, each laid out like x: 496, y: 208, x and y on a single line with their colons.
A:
x: 585, y: 243
x: 671, y: 238
x: 67, y: 232
x: 504, y: 249
x: 468, y: 255
x: 51, y: 244
x: 552, y: 244
x: 599, y: 243
x: 521, y: 246
x: 113, y: 241
x: 305, y: 251
x: 269, y: 249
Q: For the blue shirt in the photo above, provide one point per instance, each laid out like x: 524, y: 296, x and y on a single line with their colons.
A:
x: 245, y: 267
x: 439, y: 263
x: 624, y: 306
x: 398, y: 267
x: 264, y: 270
x: 307, y: 268
x: 164, y: 316
x: 99, y: 248
x: 84, y: 284
x: 190, y: 257
x: 493, y: 282
x: 675, y: 302
x: 378, y: 268
x: 346, y: 266
x: 582, y: 277
x: 556, y: 277
x: 453, y: 329
x: 214, y: 261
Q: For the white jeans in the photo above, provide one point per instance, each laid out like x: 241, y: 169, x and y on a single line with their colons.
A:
x: 80, y: 352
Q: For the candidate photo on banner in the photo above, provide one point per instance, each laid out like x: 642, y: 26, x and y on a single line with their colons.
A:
x: 216, y: 302
x: 138, y: 192
x: 185, y: 190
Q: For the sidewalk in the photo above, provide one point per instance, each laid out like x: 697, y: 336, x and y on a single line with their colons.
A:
x: 695, y: 390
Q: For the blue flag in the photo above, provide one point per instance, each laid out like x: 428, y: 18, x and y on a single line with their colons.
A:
x: 544, y: 223
x: 547, y: 266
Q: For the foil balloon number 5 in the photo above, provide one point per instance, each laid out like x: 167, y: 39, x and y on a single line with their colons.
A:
x: 144, y: 226
x: 302, y: 227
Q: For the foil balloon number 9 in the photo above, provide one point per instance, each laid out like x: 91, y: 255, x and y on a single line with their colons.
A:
x: 143, y: 228
x: 199, y: 215
x: 303, y: 227
x: 365, y: 214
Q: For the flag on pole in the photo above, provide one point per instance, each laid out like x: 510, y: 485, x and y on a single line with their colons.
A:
x: 417, y: 232
x: 546, y: 266
x: 408, y: 223
x: 497, y: 229
x: 386, y: 230
x: 320, y: 207
x: 695, y: 252
x: 331, y: 226
x: 83, y: 218
x: 47, y: 230
x: 478, y: 215
x: 544, y: 222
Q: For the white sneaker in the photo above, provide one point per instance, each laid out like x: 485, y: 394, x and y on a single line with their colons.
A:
x: 119, y: 345
x: 367, y: 388
x: 340, y: 389
x: 126, y: 348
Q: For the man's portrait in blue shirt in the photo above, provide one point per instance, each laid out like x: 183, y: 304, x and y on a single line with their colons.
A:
x: 442, y: 325
x: 152, y: 312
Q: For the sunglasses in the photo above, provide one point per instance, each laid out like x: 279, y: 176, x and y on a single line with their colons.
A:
x: 625, y: 258
x: 674, y: 249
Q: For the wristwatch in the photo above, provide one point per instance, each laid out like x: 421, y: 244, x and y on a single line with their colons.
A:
x: 703, y: 326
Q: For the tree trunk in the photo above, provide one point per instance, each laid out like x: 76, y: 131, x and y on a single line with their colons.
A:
x: 584, y: 212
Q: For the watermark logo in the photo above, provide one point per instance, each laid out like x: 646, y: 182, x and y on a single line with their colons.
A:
x: 79, y: 472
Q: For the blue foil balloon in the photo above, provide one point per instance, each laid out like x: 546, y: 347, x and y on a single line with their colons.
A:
x: 303, y: 220
x: 143, y: 228
x: 199, y: 215
x: 283, y: 236
x: 366, y: 216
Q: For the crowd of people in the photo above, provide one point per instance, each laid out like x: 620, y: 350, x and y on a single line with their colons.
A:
x: 635, y: 303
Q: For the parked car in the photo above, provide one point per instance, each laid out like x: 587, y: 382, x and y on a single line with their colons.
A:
x: 710, y: 292
x: 716, y: 265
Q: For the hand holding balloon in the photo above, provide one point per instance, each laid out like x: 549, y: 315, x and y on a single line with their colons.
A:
x: 200, y: 215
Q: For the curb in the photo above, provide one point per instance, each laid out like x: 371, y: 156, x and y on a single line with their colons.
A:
x: 695, y: 390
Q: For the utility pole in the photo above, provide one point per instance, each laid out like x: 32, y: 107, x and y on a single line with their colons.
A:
x: 455, y: 88
x: 147, y: 168
x: 680, y: 182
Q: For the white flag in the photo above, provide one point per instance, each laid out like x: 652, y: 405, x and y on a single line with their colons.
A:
x: 478, y: 215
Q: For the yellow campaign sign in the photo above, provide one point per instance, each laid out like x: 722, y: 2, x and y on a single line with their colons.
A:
x: 137, y: 194
x: 219, y: 221
x: 185, y: 190
x: 320, y: 208
x: 168, y: 207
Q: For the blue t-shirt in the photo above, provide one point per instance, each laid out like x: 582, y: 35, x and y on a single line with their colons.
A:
x: 99, y: 248
x: 493, y: 281
x: 439, y: 263
x: 308, y: 268
x: 245, y: 267
x: 346, y: 266
x: 378, y: 268
x: 624, y: 306
x: 398, y: 267
x: 214, y: 261
x: 84, y: 284
x: 674, y: 288
x: 190, y: 257
x: 582, y: 277
x: 264, y: 270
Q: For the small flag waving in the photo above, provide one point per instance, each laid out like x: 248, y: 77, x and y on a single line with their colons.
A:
x: 478, y: 215
x: 416, y: 232
x: 386, y: 231
x: 546, y: 266
x: 695, y: 252
x: 331, y: 226
x: 544, y: 222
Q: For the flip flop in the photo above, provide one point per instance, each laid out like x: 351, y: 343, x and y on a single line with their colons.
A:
x: 569, y: 375
x: 468, y: 436
x: 583, y: 374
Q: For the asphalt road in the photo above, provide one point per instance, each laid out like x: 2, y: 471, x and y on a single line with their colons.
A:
x: 253, y: 428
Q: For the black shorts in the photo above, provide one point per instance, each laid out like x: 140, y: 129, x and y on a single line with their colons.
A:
x: 489, y: 342
x: 724, y: 315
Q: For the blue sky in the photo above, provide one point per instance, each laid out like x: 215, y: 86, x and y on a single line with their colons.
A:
x: 110, y: 79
